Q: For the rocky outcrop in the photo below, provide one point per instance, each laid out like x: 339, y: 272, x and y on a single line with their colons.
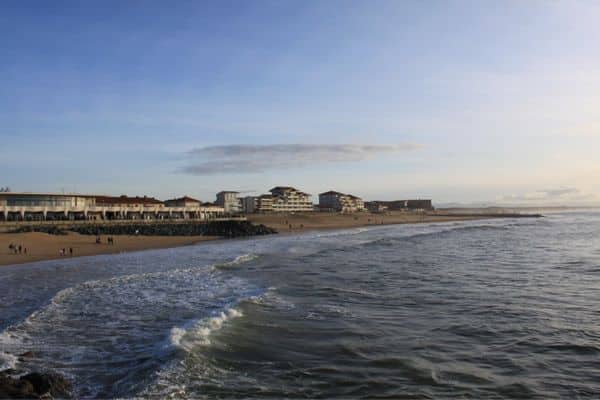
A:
x: 35, y: 385
x: 227, y: 229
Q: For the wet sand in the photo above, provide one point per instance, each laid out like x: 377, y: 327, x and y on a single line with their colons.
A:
x: 42, y: 246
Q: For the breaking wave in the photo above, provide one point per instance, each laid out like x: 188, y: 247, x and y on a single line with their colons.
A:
x: 198, y: 334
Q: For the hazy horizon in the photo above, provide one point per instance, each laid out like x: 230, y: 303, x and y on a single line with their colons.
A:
x: 462, y: 102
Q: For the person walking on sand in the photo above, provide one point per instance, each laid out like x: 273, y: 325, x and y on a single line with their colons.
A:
x: 71, y: 251
x: 20, y: 249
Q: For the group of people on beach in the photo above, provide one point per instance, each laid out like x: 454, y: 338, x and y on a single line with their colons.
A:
x: 63, y: 252
x: 109, y: 240
x: 17, y: 249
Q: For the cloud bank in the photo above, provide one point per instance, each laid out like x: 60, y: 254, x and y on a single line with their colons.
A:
x: 241, y: 158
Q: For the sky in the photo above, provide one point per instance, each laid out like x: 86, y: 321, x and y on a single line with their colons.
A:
x: 492, y: 102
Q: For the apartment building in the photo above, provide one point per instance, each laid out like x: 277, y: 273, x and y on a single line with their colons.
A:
x: 258, y: 204
x: 230, y: 201
x: 340, y: 202
x: 289, y: 199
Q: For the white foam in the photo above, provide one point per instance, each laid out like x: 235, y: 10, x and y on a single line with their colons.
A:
x: 199, y: 333
x: 238, y: 260
x: 7, y: 361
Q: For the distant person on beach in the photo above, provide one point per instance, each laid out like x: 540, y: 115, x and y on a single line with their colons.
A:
x: 98, y: 240
x: 61, y: 252
x: 20, y: 249
x: 71, y: 251
x: 24, y: 250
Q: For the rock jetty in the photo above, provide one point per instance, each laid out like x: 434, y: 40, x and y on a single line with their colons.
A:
x: 226, y: 229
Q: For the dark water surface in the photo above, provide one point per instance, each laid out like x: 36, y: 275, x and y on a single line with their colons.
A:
x: 481, y: 309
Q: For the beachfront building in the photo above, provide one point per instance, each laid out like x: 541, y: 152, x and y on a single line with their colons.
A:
x: 43, y: 206
x: 126, y: 207
x: 54, y: 207
x: 248, y: 204
x: 289, y: 199
x: 340, y: 202
x: 230, y: 201
x: 375, y: 207
x: 184, y: 201
x: 189, y: 208
x: 258, y: 204
x: 402, y: 205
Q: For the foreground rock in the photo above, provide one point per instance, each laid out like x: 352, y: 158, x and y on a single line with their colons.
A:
x: 35, y: 385
x: 228, y: 229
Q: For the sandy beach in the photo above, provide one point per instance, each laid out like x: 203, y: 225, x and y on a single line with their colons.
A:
x: 313, y: 221
x: 42, y: 246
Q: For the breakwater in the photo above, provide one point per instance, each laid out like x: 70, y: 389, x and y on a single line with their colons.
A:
x: 226, y: 228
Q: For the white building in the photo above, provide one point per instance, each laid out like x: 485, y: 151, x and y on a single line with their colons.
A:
x: 289, y: 199
x: 229, y: 201
x: 258, y: 204
x: 340, y: 202
x: 56, y: 207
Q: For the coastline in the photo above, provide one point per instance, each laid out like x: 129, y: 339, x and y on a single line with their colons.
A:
x: 43, y: 246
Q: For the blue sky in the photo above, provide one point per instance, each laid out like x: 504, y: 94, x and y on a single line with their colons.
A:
x: 461, y: 101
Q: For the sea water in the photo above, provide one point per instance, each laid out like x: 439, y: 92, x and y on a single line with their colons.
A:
x: 506, y: 308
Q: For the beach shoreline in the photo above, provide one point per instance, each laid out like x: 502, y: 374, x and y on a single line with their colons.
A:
x: 43, y: 246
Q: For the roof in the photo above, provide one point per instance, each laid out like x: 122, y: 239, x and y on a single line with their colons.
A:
x: 331, y: 192
x: 44, y: 194
x: 184, y: 198
x: 227, y: 191
x: 208, y: 204
x: 126, y: 200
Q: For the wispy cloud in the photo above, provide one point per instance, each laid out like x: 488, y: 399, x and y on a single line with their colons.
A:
x: 241, y: 158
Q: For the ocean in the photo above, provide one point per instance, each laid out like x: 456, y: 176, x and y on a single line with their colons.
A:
x: 489, y: 309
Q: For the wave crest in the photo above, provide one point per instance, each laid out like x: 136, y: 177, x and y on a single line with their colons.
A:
x: 199, y: 333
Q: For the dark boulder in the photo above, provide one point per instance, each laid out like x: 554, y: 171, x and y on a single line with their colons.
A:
x: 34, y: 385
